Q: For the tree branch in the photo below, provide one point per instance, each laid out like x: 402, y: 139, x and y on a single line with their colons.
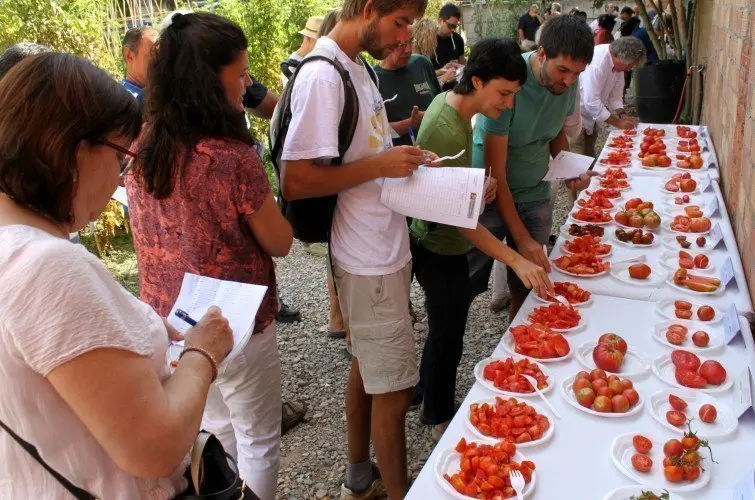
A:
x: 649, y: 27
x: 677, y: 32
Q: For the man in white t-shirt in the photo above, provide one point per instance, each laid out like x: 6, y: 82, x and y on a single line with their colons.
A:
x: 370, y: 243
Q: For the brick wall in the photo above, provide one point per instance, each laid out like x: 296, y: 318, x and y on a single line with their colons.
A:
x: 726, y: 44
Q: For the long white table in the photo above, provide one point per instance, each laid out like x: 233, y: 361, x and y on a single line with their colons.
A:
x: 575, y: 462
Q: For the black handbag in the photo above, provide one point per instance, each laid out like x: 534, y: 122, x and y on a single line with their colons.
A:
x: 213, y: 475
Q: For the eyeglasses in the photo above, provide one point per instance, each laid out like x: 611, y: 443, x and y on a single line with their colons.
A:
x: 451, y: 26
x: 125, y: 157
x: 408, y: 43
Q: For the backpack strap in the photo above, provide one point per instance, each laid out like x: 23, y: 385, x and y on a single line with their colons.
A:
x: 288, y: 67
x: 77, y: 492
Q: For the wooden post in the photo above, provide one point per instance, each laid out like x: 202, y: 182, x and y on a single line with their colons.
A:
x: 649, y: 27
x: 677, y: 31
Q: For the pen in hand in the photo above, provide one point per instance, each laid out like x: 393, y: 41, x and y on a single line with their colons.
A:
x: 185, y: 316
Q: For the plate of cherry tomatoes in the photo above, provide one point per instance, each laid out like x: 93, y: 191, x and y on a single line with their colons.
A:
x: 462, y: 471
x: 493, y: 419
x: 645, y: 458
x: 712, y: 418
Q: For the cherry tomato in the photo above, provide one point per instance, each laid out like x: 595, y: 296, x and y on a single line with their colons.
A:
x: 690, y: 441
x: 676, y: 418
x: 676, y: 402
x: 642, y: 463
x: 673, y: 473
x: 708, y: 413
x: 641, y: 443
x: 673, y: 448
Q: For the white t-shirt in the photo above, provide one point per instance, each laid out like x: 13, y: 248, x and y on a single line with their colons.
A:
x: 59, y: 302
x: 368, y: 238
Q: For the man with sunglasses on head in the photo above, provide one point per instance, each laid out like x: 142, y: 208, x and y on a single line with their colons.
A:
x: 450, y: 43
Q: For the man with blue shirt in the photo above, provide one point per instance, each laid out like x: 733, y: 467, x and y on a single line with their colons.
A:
x: 137, y: 47
x: 519, y: 144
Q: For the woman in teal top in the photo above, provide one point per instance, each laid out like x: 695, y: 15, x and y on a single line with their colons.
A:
x: 493, y: 75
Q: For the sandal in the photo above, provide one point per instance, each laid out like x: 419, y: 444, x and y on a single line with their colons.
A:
x: 293, y: 412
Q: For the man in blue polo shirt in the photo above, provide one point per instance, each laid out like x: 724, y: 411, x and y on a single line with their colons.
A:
x: 137, y: 47
x: 519, y: 144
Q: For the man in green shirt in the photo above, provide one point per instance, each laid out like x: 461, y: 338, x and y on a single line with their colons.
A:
x: 411, y: 78
x: 518, y: 146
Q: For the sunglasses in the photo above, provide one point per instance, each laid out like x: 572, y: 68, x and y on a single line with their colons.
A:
x: 451, y: 26
x: 125, y: 156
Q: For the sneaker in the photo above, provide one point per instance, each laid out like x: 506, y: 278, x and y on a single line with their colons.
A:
x: 376, y: 489
x: 317, y: 249
x: 293, y: 412
x: 287, y: 314
x: 498, y: 305
x: 438, y: 431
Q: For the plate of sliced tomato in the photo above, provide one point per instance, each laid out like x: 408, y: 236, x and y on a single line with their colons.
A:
x: 573, y: 293
x: 586, y: 244
x: 689, y: 309
x: 503, y: 375
x: 690, y: 401
x: 557, y: 317
x: 463, y: 470
x: 591, y: 215
x: 665, y: 369
x: 681, y: 333
x: 581, y: 265
x: 497, y: 418
x: 536, y: 342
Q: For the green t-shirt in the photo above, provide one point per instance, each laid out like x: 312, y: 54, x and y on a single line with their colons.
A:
x: 535, y: 120
x: 415, y: 84
x: 444, y: 133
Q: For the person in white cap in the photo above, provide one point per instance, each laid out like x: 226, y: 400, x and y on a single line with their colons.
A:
x: 309, y: 32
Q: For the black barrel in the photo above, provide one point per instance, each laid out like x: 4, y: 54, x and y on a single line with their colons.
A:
x: 657, y: 90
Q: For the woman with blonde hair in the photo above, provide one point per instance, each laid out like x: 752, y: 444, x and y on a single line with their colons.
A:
x: 425, y: 37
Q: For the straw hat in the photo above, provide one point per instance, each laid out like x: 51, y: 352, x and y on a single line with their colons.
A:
x: 312, y: 27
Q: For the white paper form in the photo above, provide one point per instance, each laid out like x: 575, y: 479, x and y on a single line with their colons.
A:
x: 239, y: 303
x: 446, y: 195
x: 567, y: 165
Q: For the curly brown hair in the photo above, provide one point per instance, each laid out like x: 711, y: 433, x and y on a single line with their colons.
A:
x: 354, y: 8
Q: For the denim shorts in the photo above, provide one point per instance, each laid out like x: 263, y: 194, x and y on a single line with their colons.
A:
x: 537, y: 217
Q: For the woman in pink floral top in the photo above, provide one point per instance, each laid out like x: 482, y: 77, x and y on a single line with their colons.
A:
x: 200, y: 202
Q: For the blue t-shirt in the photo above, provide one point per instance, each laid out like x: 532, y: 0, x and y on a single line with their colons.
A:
x: 535, y: 120
x: 133, y: 88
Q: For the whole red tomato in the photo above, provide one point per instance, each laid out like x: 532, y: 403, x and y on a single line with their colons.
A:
x: 708, y: 413
x: 700, y: 338
x: 673, y: 448
x: 713, y: 372
x: 706, y: 313
x: 607, y: 357
x: 615, y: 340
x: 673, y: 473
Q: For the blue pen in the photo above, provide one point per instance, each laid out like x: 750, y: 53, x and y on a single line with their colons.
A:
x: 411, y: 136
x: 185, y: 316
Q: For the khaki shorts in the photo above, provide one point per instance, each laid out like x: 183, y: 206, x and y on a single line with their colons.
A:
x: 376, y: 312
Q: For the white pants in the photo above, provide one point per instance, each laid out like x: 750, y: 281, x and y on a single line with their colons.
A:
x: 244, y: 412
x: 500, y: 285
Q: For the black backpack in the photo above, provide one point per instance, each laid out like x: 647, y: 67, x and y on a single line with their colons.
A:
x: 311, y: 218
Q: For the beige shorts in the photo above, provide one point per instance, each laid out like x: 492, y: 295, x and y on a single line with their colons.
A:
x: 376, y: 311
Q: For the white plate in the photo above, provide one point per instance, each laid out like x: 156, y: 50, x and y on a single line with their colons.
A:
x: 568, y: 394
x: 577, y: 221
x: 597, y: 185
x: 604, y: 209
x: 507, y: 343
x: 601, y: 273
x: 627, y: 492
x: 693, y: 200
x: 629, y: 244
x: 716, y: 335
x: 491, y: 387
x: 670, y: 260
x: 567, y: 252
x: 666, y: 309
x: 670, y: 242
x: 448, y: 462
x: 621, y: 273
x: 582, y: 322
x: 603, y: 165
x: 665, y: 370
x: 725, y: 422
x: 680, y: 192
x: 587, y: 193
x: 628, y: 175
x: 671, y: 213
x: 622, y: 450
x: 634, y: 362
x: 655, y: 169
x: 491, y: 440
x: 667, y: 227
x: 670, y: 282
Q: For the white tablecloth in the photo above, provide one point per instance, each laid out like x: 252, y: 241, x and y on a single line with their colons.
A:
x: 575, y: 462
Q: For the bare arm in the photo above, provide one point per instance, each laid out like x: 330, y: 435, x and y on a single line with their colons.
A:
x: 266, y: 107
x: 521, y: 34
x: 271, y: 229
x: 305, y: 179
x: 414, y: 121
x: 559, y: 143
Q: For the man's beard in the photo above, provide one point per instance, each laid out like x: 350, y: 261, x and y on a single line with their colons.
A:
x: 545, y: 81
x: 371, y: 42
